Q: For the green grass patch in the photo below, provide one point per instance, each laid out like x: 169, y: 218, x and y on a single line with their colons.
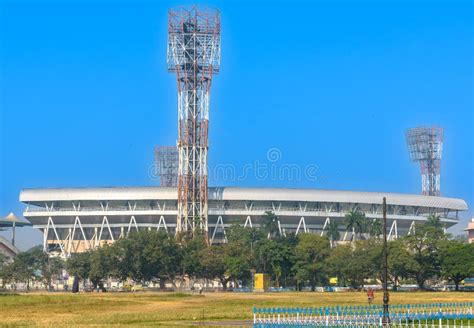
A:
x: 174, y: 309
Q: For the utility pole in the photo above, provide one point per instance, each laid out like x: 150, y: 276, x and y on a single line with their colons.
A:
x: 13, y: 233
x: 385, y: 317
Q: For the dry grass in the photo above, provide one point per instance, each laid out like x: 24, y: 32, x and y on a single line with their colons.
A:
x: 172, y: 309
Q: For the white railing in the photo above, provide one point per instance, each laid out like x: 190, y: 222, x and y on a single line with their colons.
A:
x: 438, y: 315
x: 100, y: 209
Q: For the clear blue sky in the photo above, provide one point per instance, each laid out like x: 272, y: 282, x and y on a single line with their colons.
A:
x: 85, y: 94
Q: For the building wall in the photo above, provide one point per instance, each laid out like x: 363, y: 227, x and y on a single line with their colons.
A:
x: 6, y: 251
x: 470, y: 231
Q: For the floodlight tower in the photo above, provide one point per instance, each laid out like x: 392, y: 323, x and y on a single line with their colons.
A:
x: 425, y: 145
x: 194, y: 55
x: 166, y: 162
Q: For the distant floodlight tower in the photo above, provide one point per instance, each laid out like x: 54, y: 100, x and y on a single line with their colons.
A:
x: 194, y: 55
x: 166, y: 162
x: 425, y: 145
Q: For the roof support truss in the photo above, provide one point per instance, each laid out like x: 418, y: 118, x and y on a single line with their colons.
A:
x: 219, y: 224
x: 302, y: 223
x: 248, y: 222
x: 105, y: 222
x: 45, y: 236
x: 162, y: 223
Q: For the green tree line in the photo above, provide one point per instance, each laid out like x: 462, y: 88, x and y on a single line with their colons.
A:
x: 424, y: 257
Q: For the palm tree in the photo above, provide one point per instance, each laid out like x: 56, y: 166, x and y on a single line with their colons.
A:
x: 333, y: 232
x: 355, y: 221
x: 364, y: 225
x: 434, y: 224
x: 270, y: 224
x: 434, y: 221
x: 375, y: 228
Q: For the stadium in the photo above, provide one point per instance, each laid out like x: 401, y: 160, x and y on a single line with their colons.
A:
x: 76, y: 219
x: 79, y: 219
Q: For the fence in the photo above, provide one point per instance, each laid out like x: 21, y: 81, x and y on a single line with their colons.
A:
x: 435, y: 315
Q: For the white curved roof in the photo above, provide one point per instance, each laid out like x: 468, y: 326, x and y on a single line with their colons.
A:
x: 241, y: 194
x: 101, y: 193
x: 341, y: 196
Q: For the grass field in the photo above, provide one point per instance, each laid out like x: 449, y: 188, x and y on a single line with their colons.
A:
x: 173, y: 309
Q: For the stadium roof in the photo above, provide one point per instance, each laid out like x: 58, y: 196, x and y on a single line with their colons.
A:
x: 39, y: 196
x: 8, y: 245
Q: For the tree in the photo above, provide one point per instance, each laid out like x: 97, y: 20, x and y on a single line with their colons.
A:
x: 353, y: 264
x: 171, y: 256
x: 161, y: 256
x: 237, y: 266
x: 213, y: 264
x: 122, y: 256
x: 424, y: 247
x: 100, y: 265
x: 337, y: 263
x: 247, y: 238
x: 310, y: 255
x: 375, y: 228
x: 3, y: 260
x: 355, y: 221
x: 250, y: 236
x: 192, y: 248
x: 239, y: 256
x: 6, y: 274
x: 79, y: 266
x: 434, y: 221
x: 457, y: 261
x: 270, y: 224
x: 146, y: 255
x: 333, y: 232
x: 50, y: 267
x: 400, y: 262
x: 364, y: 262
x: 26, y: 266
x: 143, y: 256
x: 275, y: 256
x: 33, y: 264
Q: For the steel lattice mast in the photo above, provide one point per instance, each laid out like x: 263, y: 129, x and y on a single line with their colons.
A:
x: 194, y: 55
x: 166, y: 163
x: 425, y: 145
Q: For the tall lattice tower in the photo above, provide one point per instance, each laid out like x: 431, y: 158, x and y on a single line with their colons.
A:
x: 166, y: 163
x: 194, y: 55
x: 425, y: 145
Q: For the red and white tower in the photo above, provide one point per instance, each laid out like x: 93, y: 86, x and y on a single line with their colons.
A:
x: 194, y: 55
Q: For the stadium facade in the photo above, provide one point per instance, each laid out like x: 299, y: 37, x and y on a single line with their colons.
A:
x: 74, y: 220
x: 78, y: 219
